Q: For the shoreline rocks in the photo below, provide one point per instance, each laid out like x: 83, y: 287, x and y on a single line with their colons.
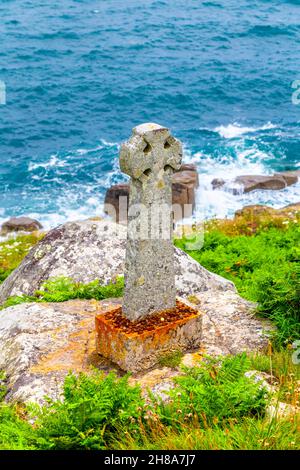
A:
x: 249, y: 183
x: 20, y: 224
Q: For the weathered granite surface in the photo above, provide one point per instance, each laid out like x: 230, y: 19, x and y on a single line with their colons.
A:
x: 95, y: 249
x: 41, y: 343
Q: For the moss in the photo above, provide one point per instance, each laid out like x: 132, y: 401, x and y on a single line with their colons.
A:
x: 171, y: 359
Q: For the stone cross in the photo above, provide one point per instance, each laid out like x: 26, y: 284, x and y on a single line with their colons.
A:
x: 150, y: 157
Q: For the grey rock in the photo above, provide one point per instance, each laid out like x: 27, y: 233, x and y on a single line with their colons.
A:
x: 20, y: 224
x: 290, y: 177
x: 248, y: 183
x: 89, y: 250
x: 41, y: 343
x: 255, y: 182
x: 217, y: 183
x: 229, y: 325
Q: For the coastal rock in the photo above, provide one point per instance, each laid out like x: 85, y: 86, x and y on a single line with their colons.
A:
x: 185, y: 179
x: 255, y: 182
x: 217, y: 183
x: 248, y: 183
x: 20, y: 224
x: 40, y: 343
x: 260, y: 211
x: 112, y: 202
x: 290, y: 177
x: 228, y: 323
x: 95, y: 249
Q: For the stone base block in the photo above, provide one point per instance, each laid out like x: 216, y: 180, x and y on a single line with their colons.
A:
x: 138, y: 345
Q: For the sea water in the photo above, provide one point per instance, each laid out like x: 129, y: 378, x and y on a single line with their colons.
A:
x: 79, y: 74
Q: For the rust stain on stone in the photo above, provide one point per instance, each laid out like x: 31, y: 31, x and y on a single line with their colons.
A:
x: 129, y: 343
x: 78, y: 351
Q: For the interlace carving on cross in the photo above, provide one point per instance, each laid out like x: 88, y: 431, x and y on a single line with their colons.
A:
x: 150, y: 157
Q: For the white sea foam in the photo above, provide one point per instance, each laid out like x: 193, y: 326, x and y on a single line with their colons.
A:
x: 222, y: 202
x: 53, y: 161
x: 81, y: 201
x: 104, y: 143
x: 235, y: 130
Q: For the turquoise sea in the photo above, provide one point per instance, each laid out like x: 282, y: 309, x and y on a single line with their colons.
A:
x: 79, y: 74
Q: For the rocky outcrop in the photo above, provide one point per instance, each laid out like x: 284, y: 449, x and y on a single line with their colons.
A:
x: 95, y: 249
x: 41, y: 343
x: 254, y: 210
x: 248, y: 183
x: 20, y: 224
x: 257, y: 210
x: 290, y: 177
x: 252, y: 183
x: 185, y: 182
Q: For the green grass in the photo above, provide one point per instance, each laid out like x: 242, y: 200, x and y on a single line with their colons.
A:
x: 212, y: 405
x: 248, y: 434
x: 13, y: 250
x: 265, y: 267
x: 61, y: 289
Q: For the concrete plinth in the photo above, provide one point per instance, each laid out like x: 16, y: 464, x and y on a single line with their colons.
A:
x: 138, y: 345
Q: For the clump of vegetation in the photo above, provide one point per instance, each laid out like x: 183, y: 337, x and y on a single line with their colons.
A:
x: 214, y: 399
x: 2, y: 385
x: 264, y: 267
x: 214, y: 393
x: 171, y: 359
x: 13, y: 250
x: 61, y: 289
x: 284, y: 372
x: 254, y: 219
x: 92, y: 409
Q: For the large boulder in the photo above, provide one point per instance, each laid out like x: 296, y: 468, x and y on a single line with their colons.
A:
x: 95, y: 249
x: 112, y: 202
x: 20, y: 224
x: 255, y: 182
x: 41, y: 343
